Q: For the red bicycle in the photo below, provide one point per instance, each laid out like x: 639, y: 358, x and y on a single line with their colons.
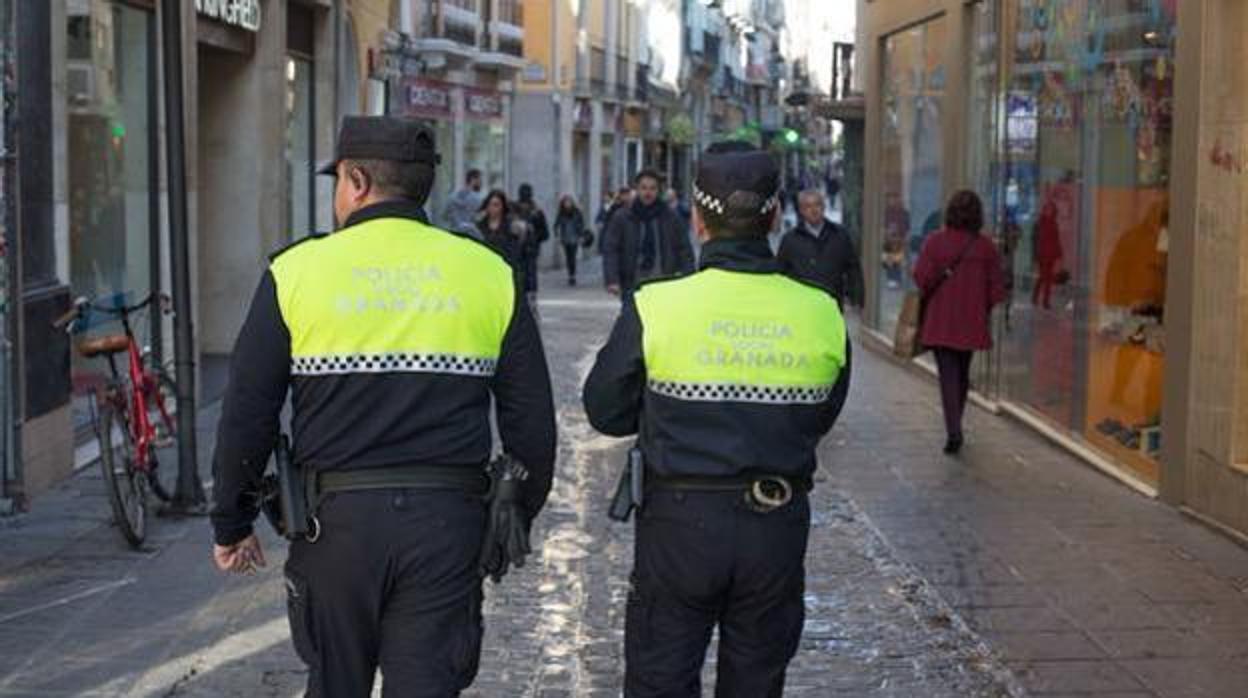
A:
x: 131, y: 413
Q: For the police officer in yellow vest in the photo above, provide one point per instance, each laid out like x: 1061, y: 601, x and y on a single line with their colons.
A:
x: 391, y: 336
x: 730, y: 377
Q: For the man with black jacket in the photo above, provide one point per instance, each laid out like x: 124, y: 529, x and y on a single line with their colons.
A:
x: 645, y: 240
x: 392, y: 337
x: 730, y: 377
x: 818, y: 250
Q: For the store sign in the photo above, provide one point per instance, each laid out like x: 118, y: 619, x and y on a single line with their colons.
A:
x: 428, y: 99
x: 483, y: 104
x: 237, y: 13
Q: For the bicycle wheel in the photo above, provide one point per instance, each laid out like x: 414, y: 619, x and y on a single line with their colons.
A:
x: 127, y: 488
x: 163, y: 453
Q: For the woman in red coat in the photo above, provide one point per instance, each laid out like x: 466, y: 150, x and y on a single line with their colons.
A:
x: 961, y: 276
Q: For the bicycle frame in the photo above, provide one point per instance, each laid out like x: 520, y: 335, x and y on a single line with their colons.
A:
x: 144, y: 385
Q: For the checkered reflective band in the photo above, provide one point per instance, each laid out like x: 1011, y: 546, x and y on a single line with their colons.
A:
x: 392, y: 363
x: 722, y: 392
x: 707, y: 201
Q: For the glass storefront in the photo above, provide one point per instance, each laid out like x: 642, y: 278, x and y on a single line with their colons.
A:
x: 485, y: 148
x: 911, y: 172
x: 111, y: 163
x: 1077, y: 178
x: 300, y: 195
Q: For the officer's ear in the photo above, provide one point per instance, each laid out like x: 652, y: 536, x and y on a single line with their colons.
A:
x: 699, y: 226
x: 360, y: 182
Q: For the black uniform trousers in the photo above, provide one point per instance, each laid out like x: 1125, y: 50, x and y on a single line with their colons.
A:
x: 392, y: 583
x: 702, y: 559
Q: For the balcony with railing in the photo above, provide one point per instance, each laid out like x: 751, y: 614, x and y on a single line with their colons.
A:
x: 622, y: 91
x: 506, y: 29
x: 452, y: 28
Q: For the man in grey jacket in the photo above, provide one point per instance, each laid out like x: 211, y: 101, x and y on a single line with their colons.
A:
x: 460, y: 213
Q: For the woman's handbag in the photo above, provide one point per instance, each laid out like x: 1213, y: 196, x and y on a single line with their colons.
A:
x: 906, y: 344
x: 587, y: 239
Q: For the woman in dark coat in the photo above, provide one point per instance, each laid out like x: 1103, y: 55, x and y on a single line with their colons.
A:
x: 501, y: 231
x: 960, y: 274
x: 570, y: 231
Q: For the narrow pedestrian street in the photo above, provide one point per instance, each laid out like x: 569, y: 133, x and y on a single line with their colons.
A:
x: 1015, y: 570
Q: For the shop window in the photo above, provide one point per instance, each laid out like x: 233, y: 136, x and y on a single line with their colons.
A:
x: 300, y: 122
x: 300, y: 168
x: 911, y: 156
x: 983, y: 146
x: 485, y: 148
x: 111, y: 165
x: 1084, y: 185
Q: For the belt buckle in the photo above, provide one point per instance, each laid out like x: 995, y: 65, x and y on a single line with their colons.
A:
x: 766, y: 494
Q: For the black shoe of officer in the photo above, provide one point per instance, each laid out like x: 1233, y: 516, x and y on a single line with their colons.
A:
x: 572, y: 281
x: 953, y: 445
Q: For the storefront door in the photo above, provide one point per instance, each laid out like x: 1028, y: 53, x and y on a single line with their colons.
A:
x: 112, y: 161
x: 1080, y: 186
x: 911, y: 157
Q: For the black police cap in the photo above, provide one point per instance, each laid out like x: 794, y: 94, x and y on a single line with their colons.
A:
x: 736, y: 179
x: 383, y: 138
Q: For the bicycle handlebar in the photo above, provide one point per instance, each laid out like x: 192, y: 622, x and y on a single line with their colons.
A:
x: 82, y: 303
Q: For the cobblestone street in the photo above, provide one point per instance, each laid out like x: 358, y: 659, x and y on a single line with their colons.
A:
x: 1014, y: 571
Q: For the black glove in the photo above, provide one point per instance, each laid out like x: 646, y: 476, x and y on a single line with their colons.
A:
x: 506, y: 540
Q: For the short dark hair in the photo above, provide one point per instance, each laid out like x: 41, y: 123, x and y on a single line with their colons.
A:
x: 965, y: 212
x: 394, y: 179
x: 474, y: 173
x: 526, y: 192
x: 737, y: 226
x: 648, y: 174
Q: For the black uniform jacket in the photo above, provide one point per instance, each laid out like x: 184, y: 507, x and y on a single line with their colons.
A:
x: 378, y: 419
x: 829, y: 260
x: 683, y: 438
x: 621, y: 247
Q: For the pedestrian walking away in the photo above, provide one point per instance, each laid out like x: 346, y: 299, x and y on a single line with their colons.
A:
x: 961, y: 276
x: 571, y: 232
x: 460, y: 213
x: 818, y: 250
x: 392, y: 337
x: 731, y: 376
x: 644, y: 240
x: 537, y: 233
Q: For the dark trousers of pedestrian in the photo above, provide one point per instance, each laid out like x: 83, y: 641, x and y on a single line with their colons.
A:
x: 954, y: 367
x: 704, y: 559
x: 1046, y: 276
x: 392, y: 583
x: 570, y: 252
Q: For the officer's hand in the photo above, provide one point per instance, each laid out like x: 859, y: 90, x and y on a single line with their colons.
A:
x: 613, y: 289
x: 242, y: 557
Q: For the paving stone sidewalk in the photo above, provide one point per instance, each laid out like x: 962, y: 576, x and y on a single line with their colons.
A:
x: 1083, y: 586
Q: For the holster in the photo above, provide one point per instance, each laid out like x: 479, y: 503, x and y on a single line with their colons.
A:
x: 630, y: 492
x: 284, y: 494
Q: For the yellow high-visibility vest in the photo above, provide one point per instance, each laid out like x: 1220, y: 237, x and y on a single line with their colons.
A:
x: 727, y: 336
x: 394, y: 295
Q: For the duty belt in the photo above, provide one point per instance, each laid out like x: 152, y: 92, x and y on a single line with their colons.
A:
x: 470, y: 479
x: 764, y: 492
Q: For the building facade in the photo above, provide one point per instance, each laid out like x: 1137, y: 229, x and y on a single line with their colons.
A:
x: 1105, y: 137
x: 265, y: 82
